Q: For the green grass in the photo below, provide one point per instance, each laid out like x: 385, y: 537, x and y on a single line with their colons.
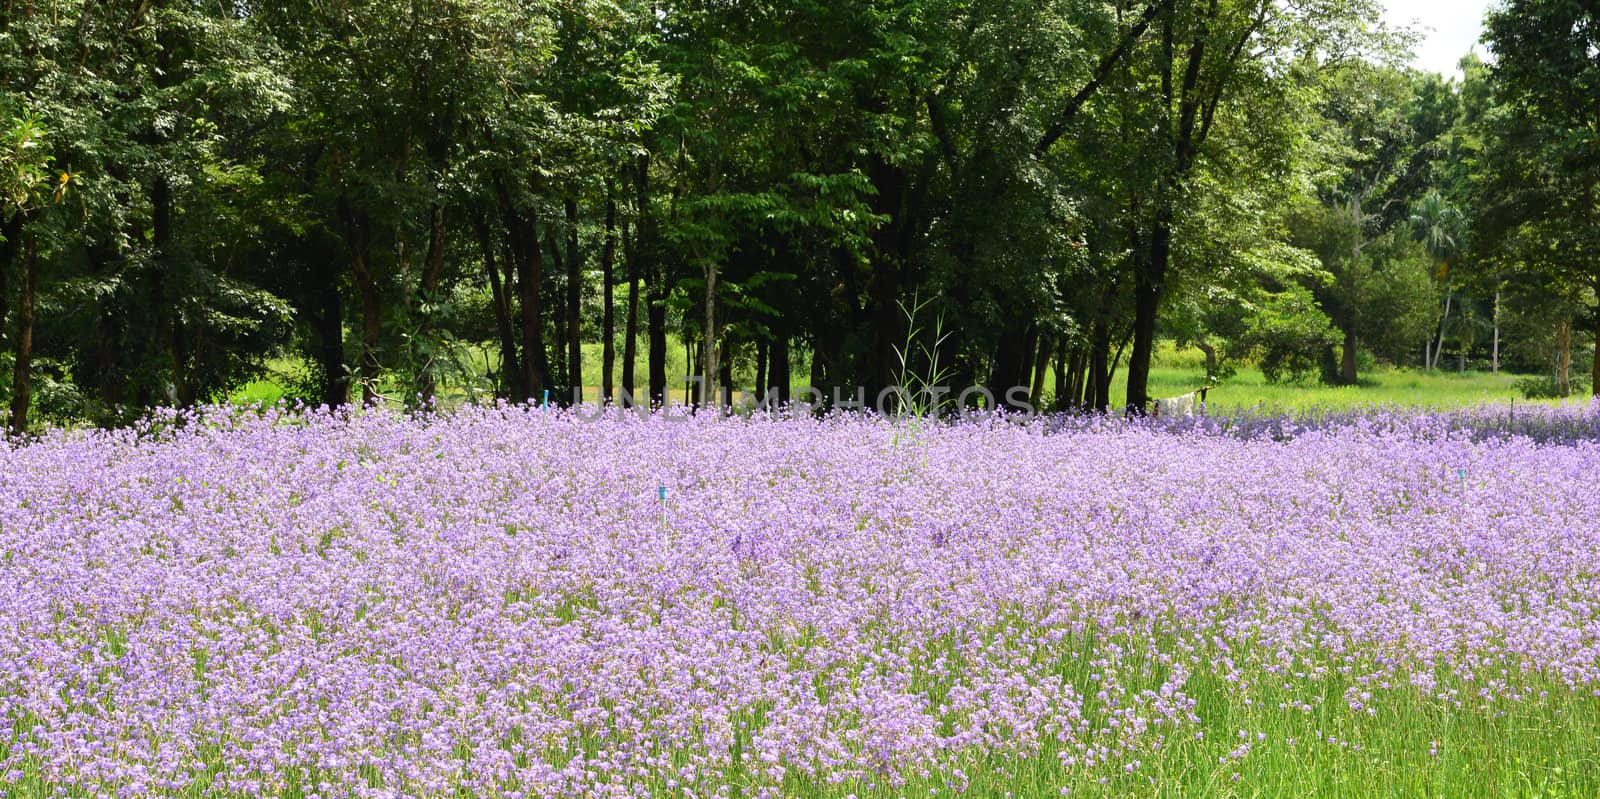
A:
x: 1177, y: 372
x: 270, y: 387
x: 1304, y: 739
x: 1413, y: 746
x: 1380, y: 386
x: 283, y: 373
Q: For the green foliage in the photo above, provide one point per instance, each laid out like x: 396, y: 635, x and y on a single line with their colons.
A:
x: 1398, y: 298
x: 24, y: 163
x: 414, y: 200
x: 1539, y: 169
x: 1547, y: 387
x: 1438, y: 225
x: 1288, y: 335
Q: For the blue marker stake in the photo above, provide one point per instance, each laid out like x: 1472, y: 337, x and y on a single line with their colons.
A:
x: 547, y: 399
x: 661, y: 494
x: 1463, y: 473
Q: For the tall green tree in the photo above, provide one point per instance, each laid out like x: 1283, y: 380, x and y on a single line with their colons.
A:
x: 1547, y: 71
x: 1207, y: 55
x: 1438, y: 226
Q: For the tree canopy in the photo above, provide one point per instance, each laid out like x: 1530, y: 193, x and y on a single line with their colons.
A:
x: 387, y: 199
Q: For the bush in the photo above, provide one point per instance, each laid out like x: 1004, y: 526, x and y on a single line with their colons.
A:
x: 1544, y: 387
x: 1289, y: 335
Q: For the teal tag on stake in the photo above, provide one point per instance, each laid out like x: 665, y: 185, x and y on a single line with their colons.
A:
x: 661, y: 493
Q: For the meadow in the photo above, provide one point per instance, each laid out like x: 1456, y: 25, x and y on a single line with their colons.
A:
x: 1177, y: 372
x: 511, y: 602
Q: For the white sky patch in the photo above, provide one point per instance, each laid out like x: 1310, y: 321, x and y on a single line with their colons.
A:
x: 1450, y: 29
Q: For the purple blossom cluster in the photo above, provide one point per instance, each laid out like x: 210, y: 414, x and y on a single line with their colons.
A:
x: 499, y: 601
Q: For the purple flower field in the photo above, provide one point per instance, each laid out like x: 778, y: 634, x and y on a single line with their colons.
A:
x: 498, y: 603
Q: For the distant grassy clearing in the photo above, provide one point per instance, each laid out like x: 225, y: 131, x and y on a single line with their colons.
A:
x: 1249, y: 389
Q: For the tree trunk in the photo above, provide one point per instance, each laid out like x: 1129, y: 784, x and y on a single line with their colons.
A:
x: 1213, y: 366
x: 1444, y: 321
x: 724, y: 395
x: 818, y: 376
x: 656, y: 309
x: 656, y: 333
x: 1099, y: 391
x: 761, y: 367
x: 167, y: 288
x: 510, y: 371
x: 1084, y: 398
x: 522, y: 241
x: 357, y: 233
x: 891, y: 242
x: 709, y: 372
x: 1148, y: 278
x: 22, y: 376
x: 530, y: 273
x: 1347, y: 358
x: 1463, y: 340
x: 108, y: 377
x: 691, y: 390
x: 162, y: 210
x: 107, y: 332
x: 329, y: 323
x: 9, y: 247
x: 1194, y: 108
x: 1091, y: 375
x: 182, y: 382
x: 1063, y: 381
x: 432, y: 274
x: 888, y: 324
x: 1025, y: 362
x: 608, y: 261
x: 779, y: 376
x: 574, y: 304
x: 371, y: 327
x: 1011, y: 355
x: 1041, y: 366
x: 562, y: 377
x: 818, y: 367
x: 630, y: 335
x: 1077, y: 381
x: 1594, y: 371
x: 1116, y: 360
x: 1496, y: 357
x: 1564, y: 358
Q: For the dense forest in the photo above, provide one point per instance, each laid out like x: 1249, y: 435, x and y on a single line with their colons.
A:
x: 408, y: 197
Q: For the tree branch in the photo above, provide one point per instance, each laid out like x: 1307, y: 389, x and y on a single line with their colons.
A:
x: 1064, y: 119
x: 1189, y: 103
x: 1227, y: 76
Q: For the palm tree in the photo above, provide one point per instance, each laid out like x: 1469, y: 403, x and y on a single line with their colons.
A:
x: 1437, y: 224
